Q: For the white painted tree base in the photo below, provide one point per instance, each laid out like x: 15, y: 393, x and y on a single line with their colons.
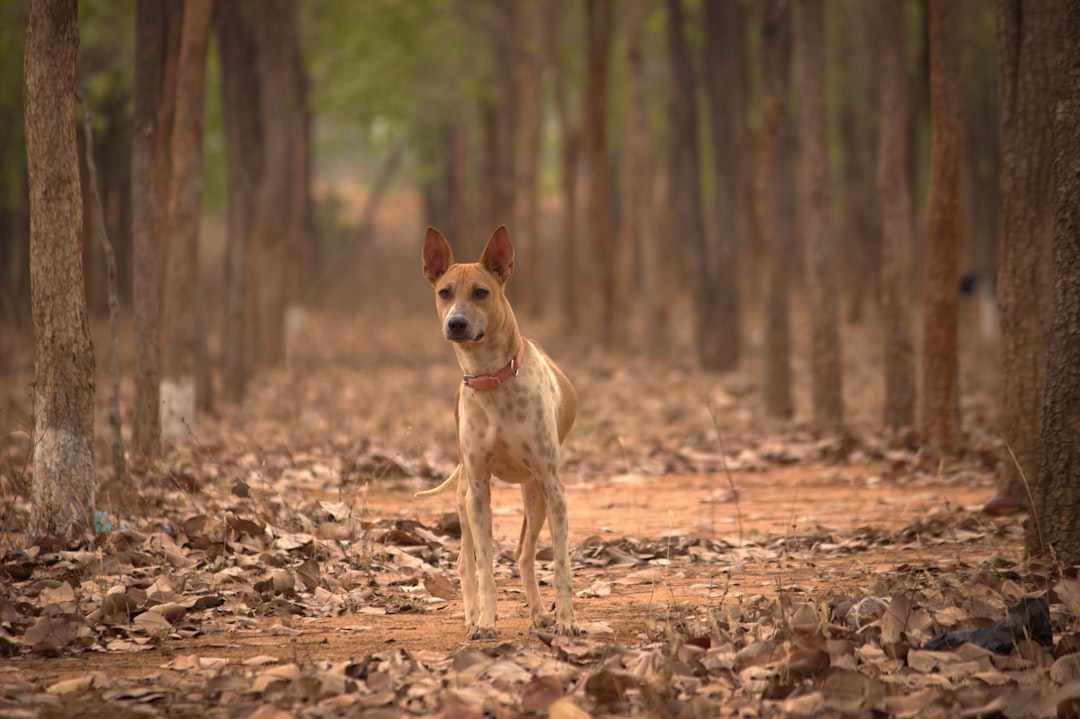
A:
x: 177, y: 409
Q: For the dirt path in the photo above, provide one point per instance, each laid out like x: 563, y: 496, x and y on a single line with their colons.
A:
x: 791, y: 502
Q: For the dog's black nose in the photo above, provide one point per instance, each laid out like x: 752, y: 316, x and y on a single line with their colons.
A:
x: 457, y: 325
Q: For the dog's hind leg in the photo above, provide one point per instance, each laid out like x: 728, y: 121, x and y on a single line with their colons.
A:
x: 535, y: 513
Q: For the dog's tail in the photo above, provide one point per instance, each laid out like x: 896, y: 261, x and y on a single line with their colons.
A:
x: 442, y: 487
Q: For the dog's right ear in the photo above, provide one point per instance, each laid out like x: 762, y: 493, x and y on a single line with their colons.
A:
x: 437, y: 255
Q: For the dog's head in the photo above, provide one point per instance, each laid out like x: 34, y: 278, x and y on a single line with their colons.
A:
x: 467, y: 294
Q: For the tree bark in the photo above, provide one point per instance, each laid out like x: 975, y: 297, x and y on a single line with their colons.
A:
x: 1055, y: 528
x: 1026, y: 37
x: 303, y: 246
x: 721, y: 72
x: 939, y: 415
x: 267, y: 256
x: 636, y: 283
x: 776, y: 245
x: 569, y: 157
x: 243, y: 163
x: 600, y: 21
x: 63, y: 489
x: 815, y: 208
x: 684, y: 186
x: 180, y: 310
x: 528, y: 194
x: 896, y: 218
x: 150, y: 19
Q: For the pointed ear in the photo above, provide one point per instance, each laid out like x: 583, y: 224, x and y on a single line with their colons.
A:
x: 437, y: 255
x: 498, y: 255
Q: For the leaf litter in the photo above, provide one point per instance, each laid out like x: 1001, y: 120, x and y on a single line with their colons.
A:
x: 277, y: 565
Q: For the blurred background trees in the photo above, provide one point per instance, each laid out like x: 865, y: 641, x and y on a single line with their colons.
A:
x: 644, y: 152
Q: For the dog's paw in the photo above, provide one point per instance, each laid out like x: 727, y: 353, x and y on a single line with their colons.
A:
x: 482, y: 634
x: 543, y: 620
x: 568, y: 629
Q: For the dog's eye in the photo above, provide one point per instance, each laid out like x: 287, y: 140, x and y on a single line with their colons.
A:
x: 445, y: 293
x: 480, y: 293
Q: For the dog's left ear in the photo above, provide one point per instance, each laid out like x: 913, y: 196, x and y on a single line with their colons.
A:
x: 498, y: 255
x: 437, y: 255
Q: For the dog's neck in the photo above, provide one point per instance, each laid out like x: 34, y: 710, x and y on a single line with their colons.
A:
x: 491, y: 381
x: 494, y: 352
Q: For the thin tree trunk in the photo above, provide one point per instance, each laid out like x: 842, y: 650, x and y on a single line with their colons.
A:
x: 1026, y: 37
x: 180, y: 311
x: 1055, y: 528
x: 599, y: 23
x: 268, y: 254
x: 939, y: 414
x: 150, y: 19
x: 528, y: 194
x: 63, y: 490
x: 119, y: 460
x: 684, y: 185
x: 896, y: 229
x: 569, y: 157
x: 776, y: 246
x: 636, y: 280
x: 815, y: 208
x: 721, y: 69
x: 302, y: 245
x: 243, y: 163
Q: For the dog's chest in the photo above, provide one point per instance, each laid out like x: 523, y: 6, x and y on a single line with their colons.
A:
x: 509, y: 431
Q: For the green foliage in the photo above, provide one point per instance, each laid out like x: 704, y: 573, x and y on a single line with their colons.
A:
x: 387, y: 65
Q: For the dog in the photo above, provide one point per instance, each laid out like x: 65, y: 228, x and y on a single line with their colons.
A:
x: 513, y: 410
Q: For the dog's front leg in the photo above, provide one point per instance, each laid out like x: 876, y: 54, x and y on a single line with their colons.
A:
x: 467, y: 556
x: 478, y: 504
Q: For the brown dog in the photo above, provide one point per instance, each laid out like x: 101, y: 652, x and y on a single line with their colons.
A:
x: 513, y: 410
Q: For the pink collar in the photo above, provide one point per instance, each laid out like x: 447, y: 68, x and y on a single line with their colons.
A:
x: 491, y: 381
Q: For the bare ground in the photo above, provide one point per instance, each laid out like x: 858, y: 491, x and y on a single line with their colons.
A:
x: 695, y: 522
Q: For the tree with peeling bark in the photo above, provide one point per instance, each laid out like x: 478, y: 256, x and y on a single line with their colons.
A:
x: 814, y: 208
x: 1026, y: 40
x: 897, y: 232
x: 63, y: 489
x: 776, y: 245
x: 1055, y: 526
x: 939, y: 421
x: 180, y: 316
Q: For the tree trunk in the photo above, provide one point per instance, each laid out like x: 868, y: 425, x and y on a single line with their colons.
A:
x: 636, y: 290
x: 858, y: 236
x: 528, y: 194
x: 776, y: 245
x: 599, y: 24
x: 62, y: 494
x: 569, y: 156
x: 1026, y: 37
x: 684, y: 186
x: 1055, y: 528
x: 815, y: 208
x: 150, y: 19
x: 896, y: 229
x: 180, y: 310
x: 267, y: 272
x: 721, y: 70
x: 243, y: 160
x: 939, y: 416
x: 303, y: 246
